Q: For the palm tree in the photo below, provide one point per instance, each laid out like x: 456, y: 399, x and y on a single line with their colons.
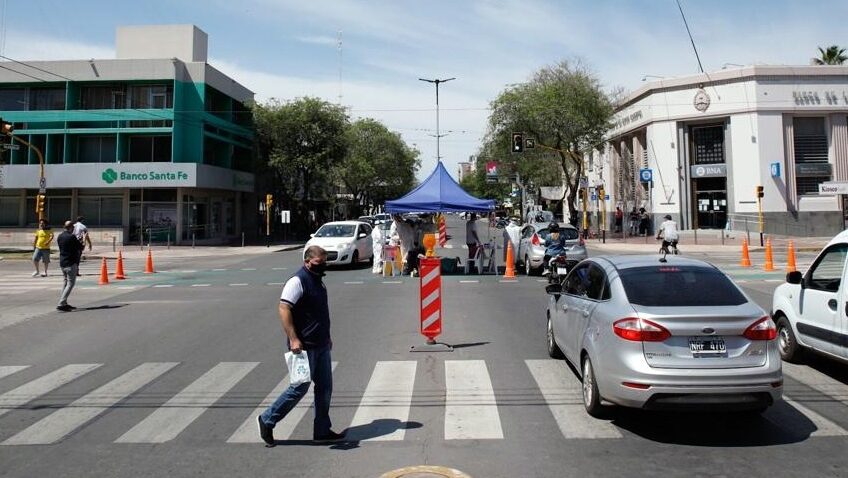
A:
x: 832, y: 56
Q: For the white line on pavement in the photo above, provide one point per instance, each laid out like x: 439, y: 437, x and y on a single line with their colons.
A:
x: 7, y: 370
x: 38, y: 387
x: 182, y: 409
x: 392, y: 282
x: 385, y: 403
x: 249, y: 269
x: 469, y: 281
x: 163, y: 285
x: 562, y: 393
x: 201, y: 285
x: 471, y: 411
x: 240, y: 284
x: 64, y: 421
x: 279, y: 268
x: 218, y: 270
x: 792, y: 421
x: 354, y: 282
x: 274, y: 283
x: 508, y: 281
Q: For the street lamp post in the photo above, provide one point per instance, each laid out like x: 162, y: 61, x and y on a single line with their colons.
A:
x: 438, y: 135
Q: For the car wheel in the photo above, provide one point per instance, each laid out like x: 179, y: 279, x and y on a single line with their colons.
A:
x: 787, y: 344
x: 553, y: 348
x: 354, y: 259
x: 591, y: 397
x: 528, y: 269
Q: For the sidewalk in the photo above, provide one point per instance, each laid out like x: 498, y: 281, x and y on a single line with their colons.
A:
x: 164, y: 252
x: 708, y: 241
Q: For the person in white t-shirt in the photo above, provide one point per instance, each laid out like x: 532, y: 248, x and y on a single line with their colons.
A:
x: 668, y: 233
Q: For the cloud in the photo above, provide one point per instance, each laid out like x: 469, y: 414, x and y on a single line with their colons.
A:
x: 318, y: 40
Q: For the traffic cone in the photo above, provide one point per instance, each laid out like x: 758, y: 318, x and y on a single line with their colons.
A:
x: 104, y: 273
x: 509, y: 273
x: 119, y: 267
x: 148, y: 268
x: 790, y: 259
x: 769, y: 266
x: 746, y: 259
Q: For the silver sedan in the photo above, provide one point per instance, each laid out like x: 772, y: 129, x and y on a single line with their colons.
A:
x: 675, y: 335
x: 534, y: 237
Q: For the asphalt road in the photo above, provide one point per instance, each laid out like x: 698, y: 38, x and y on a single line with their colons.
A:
x: 180, y: 364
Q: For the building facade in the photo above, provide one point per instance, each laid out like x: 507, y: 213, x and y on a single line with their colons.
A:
x: 153, y: 145
x: 698, y: 148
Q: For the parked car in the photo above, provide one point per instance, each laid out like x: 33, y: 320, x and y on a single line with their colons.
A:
x: 531, y: 246
x: 382, y: 217
x: 675, y: 335
x: 367, y: 219
x: 811, y: 309
x: 346, y: 242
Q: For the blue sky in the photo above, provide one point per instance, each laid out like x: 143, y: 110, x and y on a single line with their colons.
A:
x: 287, y: 49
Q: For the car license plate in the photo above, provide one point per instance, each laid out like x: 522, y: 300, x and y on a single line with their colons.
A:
x: 562, y: 271
x: 707, y: 346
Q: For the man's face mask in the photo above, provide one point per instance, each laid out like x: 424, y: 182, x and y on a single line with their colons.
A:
x: 317, y: 266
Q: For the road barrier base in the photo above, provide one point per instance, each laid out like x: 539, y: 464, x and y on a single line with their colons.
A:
x: 435, y: 347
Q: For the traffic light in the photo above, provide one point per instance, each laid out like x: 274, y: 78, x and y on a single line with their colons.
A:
x: 760, y: 193
x: 517, y: 142
x: 40, y: 201
x: 529, y: 143
x: 269, y: 201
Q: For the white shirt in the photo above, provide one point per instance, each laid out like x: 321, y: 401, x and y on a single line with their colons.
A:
x: 80, y: 231
x: 669, y: 229
x: 292, y: 291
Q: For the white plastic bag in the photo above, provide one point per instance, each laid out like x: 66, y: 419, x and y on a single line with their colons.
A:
x: 298, y: 368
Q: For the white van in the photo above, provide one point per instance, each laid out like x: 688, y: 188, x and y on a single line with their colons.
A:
x: 811, y: 309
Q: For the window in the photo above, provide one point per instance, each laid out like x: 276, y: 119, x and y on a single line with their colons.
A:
x: 101, y: 211
x: 151, y: 96
x: 96, y: 149
x: 150, y: 149
x: 811, y: 165
x: 46, y: 99
x: 103, y: 97
x: 826, y: 273
x: 577, y: 282
x: 707, y: 144
x: 9, y: 209
x: 679, y: 286
x: 597, y: 289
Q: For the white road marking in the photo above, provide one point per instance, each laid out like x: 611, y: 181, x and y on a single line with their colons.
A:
x: 386, y: 401
x: 240, y: 284
x: 163, y: 285
x: 469, y: 281
x: 508, y: 281
x: 562, y: 392
x: 218, y: 270
x: 7, y: 370
x: 817, y: 381
x: 186, y: 272
x: 274, y: 283
x: 176, y: 414
x: 279, y: 268
x: 248, y: 433
x: 354, y: 282
x: 127, y: 287
x: 201, y: 285
x: 392, y: 282
x: 40, y: 386
x: 249, y: 269
x: 64, y: 421
x: 541, y: 280
x: 471, y: 411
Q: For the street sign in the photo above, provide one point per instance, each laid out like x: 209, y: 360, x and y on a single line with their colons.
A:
x: 606, y: 197
x: 775, y: 170
x: 529, y: 143
x: 646, y: 175
x: 285, y: 217
x: 584, y: 182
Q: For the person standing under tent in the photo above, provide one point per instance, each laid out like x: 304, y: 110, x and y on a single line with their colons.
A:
x: 377, y: 242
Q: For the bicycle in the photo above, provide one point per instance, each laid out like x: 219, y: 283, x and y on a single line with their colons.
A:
x: 664, y: 248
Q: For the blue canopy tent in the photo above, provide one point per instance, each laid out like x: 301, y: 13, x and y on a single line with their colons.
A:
x: 439, y: 193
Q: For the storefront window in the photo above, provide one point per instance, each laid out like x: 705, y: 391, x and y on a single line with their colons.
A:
x: 101, y: 211
x: 811, y: 164
x: 9, y: 210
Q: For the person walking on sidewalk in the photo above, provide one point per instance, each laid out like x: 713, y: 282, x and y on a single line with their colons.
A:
x: 305, y: 314
x: 70, y: 251
x: 41, y: 245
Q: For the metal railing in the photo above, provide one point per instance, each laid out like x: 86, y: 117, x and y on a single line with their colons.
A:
x: 750, y: 223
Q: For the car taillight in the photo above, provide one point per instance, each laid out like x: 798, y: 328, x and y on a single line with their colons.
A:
x: 763, y: 329
x: 535, y: 240
x: 640, y: 330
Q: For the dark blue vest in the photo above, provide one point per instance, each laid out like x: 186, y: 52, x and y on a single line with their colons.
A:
x: 312, y: 312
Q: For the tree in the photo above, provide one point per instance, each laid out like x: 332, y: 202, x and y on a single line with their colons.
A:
x: 300, y: 141
x: 833, y: 55
x: 377, y: 165
x: 564, y: 108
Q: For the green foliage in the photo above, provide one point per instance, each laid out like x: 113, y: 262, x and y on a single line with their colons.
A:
x: 833, y: 55
x: 565, y: 109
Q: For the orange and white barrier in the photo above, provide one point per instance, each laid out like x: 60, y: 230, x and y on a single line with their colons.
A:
x: 431, y: 298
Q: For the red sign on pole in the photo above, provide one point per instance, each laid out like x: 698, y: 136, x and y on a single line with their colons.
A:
x: 431, y: 298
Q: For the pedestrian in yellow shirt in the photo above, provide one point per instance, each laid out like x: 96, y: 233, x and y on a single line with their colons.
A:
x: 41, y: 243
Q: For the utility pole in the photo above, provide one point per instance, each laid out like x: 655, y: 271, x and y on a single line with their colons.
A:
x: 438, y: 135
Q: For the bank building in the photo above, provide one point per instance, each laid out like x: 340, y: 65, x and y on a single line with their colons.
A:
x: 699, y: 148
x: 155, y: 144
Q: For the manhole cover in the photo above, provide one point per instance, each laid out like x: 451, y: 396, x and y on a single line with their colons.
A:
x: 424, y: 471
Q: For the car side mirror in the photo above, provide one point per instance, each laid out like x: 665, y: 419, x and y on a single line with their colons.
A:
x: 553, y: 289
x: 362, y: 234
x: 312, y: 235
x: 794, y: 277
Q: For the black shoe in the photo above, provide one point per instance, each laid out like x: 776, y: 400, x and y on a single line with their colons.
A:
x: 65, y: 308
x: 266, y: 432
x: 329, y: 437
x: 71, y: 307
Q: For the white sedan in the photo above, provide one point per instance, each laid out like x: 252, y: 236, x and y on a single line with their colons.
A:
x: 346, y: 242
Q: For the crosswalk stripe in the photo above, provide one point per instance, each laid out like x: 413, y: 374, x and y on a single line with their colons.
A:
x: 7, y: 370
x: 817, y: 381
x: 45, y: 384
x: 247, y: 432
x: 63, y: 422
x: 792, y: 421
x: 176, y: 414
x: 563, y: 395
x: 471, y: 411
x: 385, y: 403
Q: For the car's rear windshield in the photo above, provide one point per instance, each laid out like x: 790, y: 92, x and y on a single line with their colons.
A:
x: 336, y: 230
x: 568, y: 233
x: 679, y: 286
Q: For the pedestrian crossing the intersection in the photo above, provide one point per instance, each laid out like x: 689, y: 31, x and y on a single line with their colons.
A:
x: 470, y: 407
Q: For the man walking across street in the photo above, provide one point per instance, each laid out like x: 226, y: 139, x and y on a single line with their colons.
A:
x: 305, y: 314
x: 41, y: 244
x: 70, y: 250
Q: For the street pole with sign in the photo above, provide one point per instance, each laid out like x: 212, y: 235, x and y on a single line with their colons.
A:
x: 760, y: 195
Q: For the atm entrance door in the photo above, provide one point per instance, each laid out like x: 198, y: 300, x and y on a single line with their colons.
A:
x: 711, y: 205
